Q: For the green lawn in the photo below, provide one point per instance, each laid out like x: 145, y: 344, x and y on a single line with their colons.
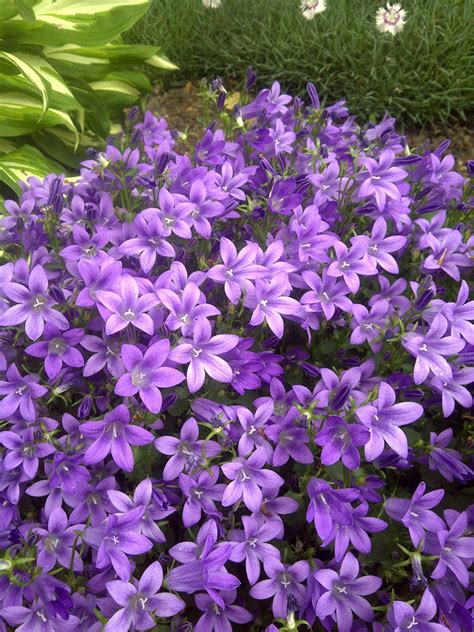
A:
x: 424, y: 75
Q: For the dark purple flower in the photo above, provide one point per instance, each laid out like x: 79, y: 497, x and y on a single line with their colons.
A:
x: 340, y: 441
x: 328, y: 506
x: 403, y: 617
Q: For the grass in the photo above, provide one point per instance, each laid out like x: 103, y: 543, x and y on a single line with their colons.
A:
x: 424, y: 76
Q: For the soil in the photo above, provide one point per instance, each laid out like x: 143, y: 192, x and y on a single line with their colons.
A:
x: 182, y: 108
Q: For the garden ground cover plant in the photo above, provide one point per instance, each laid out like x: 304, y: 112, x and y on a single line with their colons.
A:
x: 235, y: 382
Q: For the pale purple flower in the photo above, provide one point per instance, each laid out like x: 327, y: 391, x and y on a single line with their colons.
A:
x: 284, y: 584
x: 282, y: 138
x: 24, y: 450
x: 140, y: 601
x: 269, y: 300
x: 116, y: 540
x: 379, y: 178
x: 254, y: 426
x: 446, y: 255
x: 341, y: 440
x: 57, y: 348
x: 33, y: 305
x: 203, y: 354
x: 19, y: 393
x: 237, y: 269
x: 187, y: 452
x: 57, y: 541
x: 251, y: 545
x: 446, y: 461
x: 105, y: 354
x: 150, y: 241
x: 328, y: 505
x: 380, y: 246
x: 145, y: 374
x: 201, y: 208
x: 382, y: 420
x: 403, y: 617
x: 345, y: 593
x: 369, y: 326
x: 103, y: 276
x: 126, y: 307
x: 326, y: 294
x: 247, y: 478
x: 416, y: 513
x: 351, y: 263
x: 431, y: 349
x: 217, y: 618
x: 86, y: 246
x: 291, y: 442
x: 114, y: 434
x: 185, y: 308
x: 201, y: 490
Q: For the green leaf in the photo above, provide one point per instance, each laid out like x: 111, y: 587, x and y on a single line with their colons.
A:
x: 31, y: 74
x: 56, y: 145
x: 83, y: 22
x: 161, y: 61
x: 97, y: 117
x: 8, y: 9
x: 25, y: 10
x: 24, y: 162
x: 20, y: 114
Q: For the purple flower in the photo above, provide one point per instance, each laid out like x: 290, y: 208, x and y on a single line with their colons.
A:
x: 24, y: 451
x: 201, y: 490
x: 284, y: 585
x: 145, y: 374
x: 103, y: 276
x: 252, y: 545
x: 431, y: 349
x: 282, y: 139
x: 143, y: 499
x: 203, y: 354
x: 126, y: 307
x: 57, y: 541
x: 458, y: 314
x: 237, y: 270
x: 446, y: 255
x: 350, y: 263
x: 216, y: 618
x: 138, y: 601
x: 290, y: 442
x: 201, y: 207
x: 403, y: 617
x: 446, y: 460
x: 19, y: 394
x: 33, y: 305
x: 416, y: 513
x: 369, y: 326
x: 150, y: 241
x: 255, y: 426
x: 114, y: 434
x: 118, y: 539
x: 186, y: 452
x: 345, y: 593
x: 58, y: 348
x: 326, y: 294
x: 268, y: 300
x: 105, y: 353
x: 340, y: 441
x: 186, y: 309
x: 380, y: 178
x: 328, y: 506
x: 380, y: 246
x: 85, y: 246
x: 247, y: 478
x: 383, y: 420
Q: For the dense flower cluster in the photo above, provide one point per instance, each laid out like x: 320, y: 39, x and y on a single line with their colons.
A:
x: 235, y: 382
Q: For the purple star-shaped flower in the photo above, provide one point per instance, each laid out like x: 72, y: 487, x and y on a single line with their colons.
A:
x: 201, y: 490
x: 19, y: 394
x: 33, y: 305
x: 379, y: 178
x: 404, y: 618
x: 138, y: 601
x: 114, y: 434
x: 216, y: 618
x: 247, y: 478
x: 57, y: 541
x: 187, y: 451
x: 126, y: 307
x: 203, y: 354
x: 340, y: 440
x: 350, y: 263
x: 383, y: 419
x: 57, y: 348
x: 145, y: 374
x: 251, y: 545
x: 345, y: 593
x: 284, y: 585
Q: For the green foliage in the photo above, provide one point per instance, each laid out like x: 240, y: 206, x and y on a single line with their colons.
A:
x: 423, y: 76
x: 62, y: 79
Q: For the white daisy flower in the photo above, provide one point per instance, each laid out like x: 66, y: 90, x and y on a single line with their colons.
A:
x: 309, y: 8
x: 212, y: 4
x: 390, y: 19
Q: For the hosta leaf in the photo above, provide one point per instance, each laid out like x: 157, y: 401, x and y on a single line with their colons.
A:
x: 28, y: 71
x: 97, y: 116
x: 20, y: 114
x: 83, y: 22
x: 162, y: 62
x: 24, y: 162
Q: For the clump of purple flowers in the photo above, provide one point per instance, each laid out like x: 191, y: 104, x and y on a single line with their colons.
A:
x: 235, y: 382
